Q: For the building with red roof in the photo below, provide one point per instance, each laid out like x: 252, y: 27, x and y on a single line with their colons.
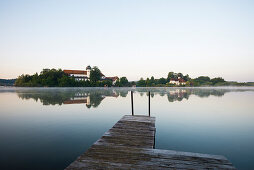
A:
x: 81, y: 75
x: 177, y: 81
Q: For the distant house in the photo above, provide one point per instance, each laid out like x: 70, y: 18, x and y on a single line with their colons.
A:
x: 114, y: 79
x: 103, y: 76
x: 174, y: 81
x: 181, y: 81
x: 178, y: 81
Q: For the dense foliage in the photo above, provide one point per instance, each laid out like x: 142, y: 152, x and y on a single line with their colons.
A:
x: 7, y: 82
x: 95, y: 74
x: 206, y: 81
x: 47, y: 78
x: 152, y: 82
x: 122, y: 82
x: 57, y: 78
x: 199, y: 81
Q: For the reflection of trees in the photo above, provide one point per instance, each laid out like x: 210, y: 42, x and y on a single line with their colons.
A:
x: 152, y: 94
x: 123, y: 93
x: 95, y: 100
x: 92, y: 97
x: 184, y: 93
x: 208, y: 92
x: 161, y: 94
x: 46, y: 98
x: 178, y: 94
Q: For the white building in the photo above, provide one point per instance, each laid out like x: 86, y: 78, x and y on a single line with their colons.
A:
x: 113, y: 79
x: 79, y: 74
x: 178, y: 81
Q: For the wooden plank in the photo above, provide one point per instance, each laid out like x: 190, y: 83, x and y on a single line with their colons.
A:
x: 132, y: 131
x: 129, y: 145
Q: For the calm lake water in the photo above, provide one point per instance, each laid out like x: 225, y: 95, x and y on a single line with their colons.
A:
x: 48, y: 128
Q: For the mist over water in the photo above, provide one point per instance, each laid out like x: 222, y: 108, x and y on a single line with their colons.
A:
x: 48, y: 128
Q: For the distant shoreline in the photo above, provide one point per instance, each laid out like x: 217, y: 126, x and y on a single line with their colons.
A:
x: 95, y: 78
x: 11, y: 83
x: 176, y: 87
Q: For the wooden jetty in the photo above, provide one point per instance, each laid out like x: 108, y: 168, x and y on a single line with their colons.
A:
x: 129, y: 144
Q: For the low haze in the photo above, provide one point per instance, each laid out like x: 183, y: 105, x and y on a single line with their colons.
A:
x: 129, y: 38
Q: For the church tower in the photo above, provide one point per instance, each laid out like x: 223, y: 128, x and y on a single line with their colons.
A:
x: 88, y: 69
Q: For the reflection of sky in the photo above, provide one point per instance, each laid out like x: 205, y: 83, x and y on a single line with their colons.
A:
x: 209, y: 125
x: 52, y: 136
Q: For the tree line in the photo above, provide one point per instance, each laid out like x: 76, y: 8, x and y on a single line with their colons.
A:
x: 7, y: 82
x: 152, y: 82
x: 189, y: 82
x: 57, y: 78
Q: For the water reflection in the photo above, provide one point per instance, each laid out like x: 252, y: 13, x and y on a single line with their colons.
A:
x: 89, y: 97
x: 92, y: 97
x: 214, y: 120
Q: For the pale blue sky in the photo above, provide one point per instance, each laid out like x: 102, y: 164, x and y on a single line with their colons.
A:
x: 133, y: 38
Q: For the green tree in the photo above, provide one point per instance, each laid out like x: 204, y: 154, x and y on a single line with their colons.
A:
x: 170, y: 75
x: 202, y: 78
x: 202, y: 81
x: 152, y: 80
x: 148, y: 82
x: 180, y: 75
x: 107, y: 83
x: 66, y: 81
x: 117, y: 84
x: 124, y: 82
x: 133, y: 83
x: 186, y: 77
x: 162, y: 81
x: 141, y: 82
x: 47, y: 77
x: 95, y: 74
x: 217, y: 80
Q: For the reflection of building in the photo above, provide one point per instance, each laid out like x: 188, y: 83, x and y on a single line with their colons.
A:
x: 178, y: 81
x: 177, y: 95
x: 93, y: 97
x: 77, y: 101
x: 79, y: 98
x: 90, y: 99
x: 177, y: 92
x: 113, y: 94
x: 79, y: 74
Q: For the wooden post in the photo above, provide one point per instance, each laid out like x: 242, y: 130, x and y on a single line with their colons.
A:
x: 149, y: 108
x: 132, y: 109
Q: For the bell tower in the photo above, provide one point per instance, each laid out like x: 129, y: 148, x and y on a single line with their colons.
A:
x: 88, y: 70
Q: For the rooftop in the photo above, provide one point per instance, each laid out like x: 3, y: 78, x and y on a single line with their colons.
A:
x: 75, y: 72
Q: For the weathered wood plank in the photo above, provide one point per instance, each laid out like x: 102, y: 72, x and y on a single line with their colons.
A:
x: 128, y: 145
